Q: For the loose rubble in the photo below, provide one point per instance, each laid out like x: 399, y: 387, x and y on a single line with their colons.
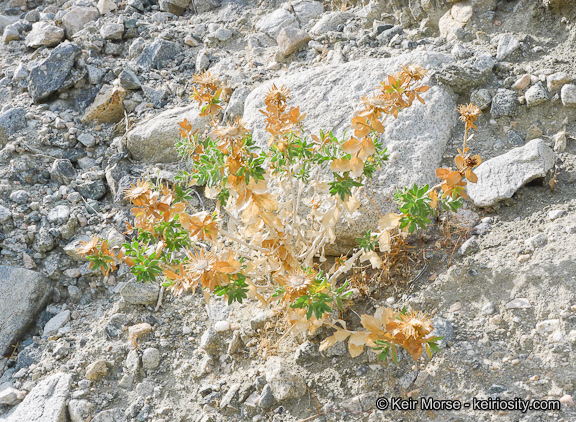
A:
x: 91, y: 94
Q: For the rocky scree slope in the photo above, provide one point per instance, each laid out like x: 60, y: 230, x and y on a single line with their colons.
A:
x: 91, y: 95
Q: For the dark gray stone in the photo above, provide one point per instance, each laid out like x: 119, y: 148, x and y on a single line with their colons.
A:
x: 388, y: 34
x: 515, y: 138
x: 49, y: 75
x: 11, y: 121
x: 155, y: 55
x: 504, y: 103
x: 92, y: 189
x: 176, y: 7
x: 23, y: 295
x: 266, y: 398
x: 30, y: 355
x: 158, y: 97
x: 461, y: 79
x: 62, y: 172
x: 129, y: 80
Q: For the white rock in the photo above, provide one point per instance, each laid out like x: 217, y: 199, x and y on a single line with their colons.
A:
x: 507, y: 45
x: 500, y: 177
x: 519, y: 303
x: 556, y: 336
x: 420, y: 133
x: 567, y: 400
x: 329, y: 22
x: 291, y: 39
x: 223, y: 34
x: 221, y: 326
x: 284, y: 383
x: 548, y: 326
x: 307, y: 10
x: 80, y: 410
x: 59, y: 214
x: 560, y: 142
x: 5, y: 214
x: 60, y: 320
x: 568, y: 95
x: 150, y: 358
x: 536, y: 94
x: 202, y: 61
x: 274, y: 22
x: 87, y: 139
x: 112, y: 31
x: 456, y: 18
x: 554, y: 214
x: 45, y: 402
x: 106, y: 6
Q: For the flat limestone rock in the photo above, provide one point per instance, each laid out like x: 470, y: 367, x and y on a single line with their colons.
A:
x: 500, y: 177
x: 46, y: 402
x: 23, y: 295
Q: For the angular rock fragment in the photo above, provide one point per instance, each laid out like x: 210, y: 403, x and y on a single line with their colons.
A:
x: 156, y: 54
x: 44, y: 34
x: 11, y: 121
x: 107, y: 106
x: 49, y: 75
x: 500, y: 177
x: 291, y: 39
x: 77, y: 17
x: 46, y: 402
x: 23, y: 295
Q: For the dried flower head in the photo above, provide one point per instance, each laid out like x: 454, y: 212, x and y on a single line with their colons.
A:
x: 296, y: 283
x: 414, y: 72
x: 206, y: 80
x: 277, y: 96
x: 413, y: 325
x: 88, y: 248
x: 138, y: 192
x: 231, y: 132
x: 468, y: 114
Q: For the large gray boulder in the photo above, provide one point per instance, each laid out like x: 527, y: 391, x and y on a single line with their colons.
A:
x: 500, y: 177
x: 23, y: 295
x: 46, y: 402
x: 329, y: 96
x: 153, y: 141
x: 49, y: 75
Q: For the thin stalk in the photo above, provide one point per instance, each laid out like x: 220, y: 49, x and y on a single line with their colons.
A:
x: 235, y: 239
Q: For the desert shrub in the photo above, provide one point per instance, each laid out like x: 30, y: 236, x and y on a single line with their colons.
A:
x: 277, y: 209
